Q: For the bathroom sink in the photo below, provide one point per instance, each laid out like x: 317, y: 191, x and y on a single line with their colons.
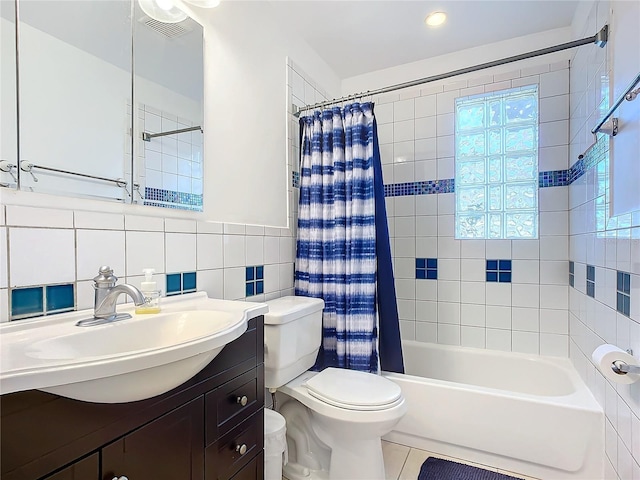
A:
x: 123, y: 361
x: 144, y: 332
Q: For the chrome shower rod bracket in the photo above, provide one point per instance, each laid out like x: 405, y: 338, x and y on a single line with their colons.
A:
x: 146, y: 136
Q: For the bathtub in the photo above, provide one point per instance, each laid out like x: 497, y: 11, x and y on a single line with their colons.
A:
x: 527, y: 414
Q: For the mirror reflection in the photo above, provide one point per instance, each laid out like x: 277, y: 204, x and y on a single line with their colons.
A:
x: 8, y: 132
x: 81, y: 88
x: 169, y: 97
x: 75, y: 91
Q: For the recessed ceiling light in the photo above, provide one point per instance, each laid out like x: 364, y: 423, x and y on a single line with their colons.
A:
x: 435, y: 19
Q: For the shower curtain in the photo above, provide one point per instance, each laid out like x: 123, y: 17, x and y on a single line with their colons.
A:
x: 343, y: 253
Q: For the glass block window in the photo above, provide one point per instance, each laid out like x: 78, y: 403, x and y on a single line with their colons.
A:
x: 496, y: 164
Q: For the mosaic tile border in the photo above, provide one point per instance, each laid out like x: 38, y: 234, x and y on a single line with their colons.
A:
x: 158, y: 197
x: 550, y: 178
x: 419, y: 188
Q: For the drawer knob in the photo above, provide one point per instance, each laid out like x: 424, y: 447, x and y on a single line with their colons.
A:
x: 242, y: 400
x: 241, y: 449
x: 120, y: 478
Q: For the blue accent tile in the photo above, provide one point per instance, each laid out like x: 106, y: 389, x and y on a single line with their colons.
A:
x: 189, y: 281
x: 427, y: 187
x: 259, y: 287
x: 504, y: 265
x: 26, y: 301
x: 591, y: 289
x: 174, y: 283
x: 627, y: 284
x: 249, y: 289
x: 172, y: 199
x: 260, y: 272
x: 554, y: 178
x: 492, y: 276
x: 60, y: 297
x: 620, y: 281
x: 492, y: 265
x: 249, y: 273
x: 571, y: 267
x: 591, y: 273
x: 432, y: 274
x: 504, y: 277
x: 432, y: 263
x: 620, y: 302
x: 421, y: 273
x: 421, y: 262
x: 626, y: 308
x: 571, y: 281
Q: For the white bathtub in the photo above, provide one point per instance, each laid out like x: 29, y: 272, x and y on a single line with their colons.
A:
x: 528, y: 414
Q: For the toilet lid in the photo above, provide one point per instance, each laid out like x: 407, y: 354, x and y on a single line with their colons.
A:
x: 353, y: 390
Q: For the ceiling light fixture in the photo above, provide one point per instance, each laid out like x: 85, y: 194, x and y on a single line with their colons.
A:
x: 435, y: 19
x: 162, y: 10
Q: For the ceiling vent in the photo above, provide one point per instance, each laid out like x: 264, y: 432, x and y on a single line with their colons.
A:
x: 169, y: 30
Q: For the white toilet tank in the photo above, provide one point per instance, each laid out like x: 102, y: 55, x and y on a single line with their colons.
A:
x: 292, y: 337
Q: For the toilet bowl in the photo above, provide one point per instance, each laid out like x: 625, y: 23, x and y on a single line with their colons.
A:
x: 335, y: 418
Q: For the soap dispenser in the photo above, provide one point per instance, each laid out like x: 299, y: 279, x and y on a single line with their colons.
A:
x: 151, y: 293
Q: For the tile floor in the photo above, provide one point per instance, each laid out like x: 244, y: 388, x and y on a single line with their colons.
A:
x: 403, y: 463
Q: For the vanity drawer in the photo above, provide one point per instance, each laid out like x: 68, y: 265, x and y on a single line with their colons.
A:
x: 252, y: 470
x: 235, y: 449
x: 232, y: 402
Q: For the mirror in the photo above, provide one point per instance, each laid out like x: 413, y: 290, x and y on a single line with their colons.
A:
x: 75, y: 83
x: 168, y: 88
x: 8, y: 132
x: 76, y: 109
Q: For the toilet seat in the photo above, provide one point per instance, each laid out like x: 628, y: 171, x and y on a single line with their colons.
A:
x: 353, y: 390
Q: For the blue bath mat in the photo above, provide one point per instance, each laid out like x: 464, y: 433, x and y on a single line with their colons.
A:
x: 439, y: 469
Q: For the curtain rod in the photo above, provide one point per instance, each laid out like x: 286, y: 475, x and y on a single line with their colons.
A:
x: 599, y: 39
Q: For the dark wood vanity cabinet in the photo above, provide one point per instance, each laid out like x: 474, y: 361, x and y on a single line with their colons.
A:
x: 209, y: 428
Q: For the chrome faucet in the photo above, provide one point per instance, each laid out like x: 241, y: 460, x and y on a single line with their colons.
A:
x: 106, y: 297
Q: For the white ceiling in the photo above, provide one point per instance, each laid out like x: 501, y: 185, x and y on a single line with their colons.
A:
x: 356, y: 37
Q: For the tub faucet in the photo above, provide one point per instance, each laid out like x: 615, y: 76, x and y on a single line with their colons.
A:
x: 106, y: 297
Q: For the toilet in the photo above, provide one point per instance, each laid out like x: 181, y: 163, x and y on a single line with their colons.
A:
x: 334, y: 418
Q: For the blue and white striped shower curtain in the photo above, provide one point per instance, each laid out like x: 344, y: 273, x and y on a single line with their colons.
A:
x: 336, y: 256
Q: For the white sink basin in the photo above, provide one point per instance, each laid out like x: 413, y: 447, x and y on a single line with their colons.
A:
x: 123, y: 361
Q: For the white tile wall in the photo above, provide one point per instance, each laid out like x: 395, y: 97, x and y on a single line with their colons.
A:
x: 41, y: 256
x: 99, y: 247
x: 172, y: 162
x: 132, y: 242
x: 3, y: 256
x: 180, y: 251
x: 18, y: 216
x: 423, y: 226
x: 608, y: 245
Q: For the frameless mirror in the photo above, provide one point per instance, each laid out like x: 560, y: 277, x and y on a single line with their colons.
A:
x: 8, y: 131
x: 95, y: 77
x: 169, y: 110
x: 75, y: 87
